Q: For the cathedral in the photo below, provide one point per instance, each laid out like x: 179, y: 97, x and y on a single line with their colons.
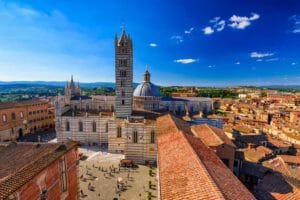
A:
x: 126, y: 122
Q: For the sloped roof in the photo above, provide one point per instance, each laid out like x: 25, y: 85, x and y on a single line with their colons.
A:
x: 30, y: 159
x: 188, y: 169
x: 211, y: 136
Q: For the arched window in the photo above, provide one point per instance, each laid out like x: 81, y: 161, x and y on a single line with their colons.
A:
x: 13, y: 116
x: 112, y: 108
x: 123, y: 93
x: 94, y: 125
x: 152, y: 137
x: 67, y: 126
x: 80, y: 126
x: 4, y: 118
x: 87, y: 107
x: 122, y: 83
x: 123, y: 102
x: 135, y: 136
x: 119, y: 131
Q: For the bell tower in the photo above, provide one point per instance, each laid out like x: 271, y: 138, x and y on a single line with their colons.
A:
x: 123, y: 75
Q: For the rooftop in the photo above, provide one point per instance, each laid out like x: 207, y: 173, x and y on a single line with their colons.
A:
x: 189, y: 169
x: 211, y: 136
x: 32, y: 159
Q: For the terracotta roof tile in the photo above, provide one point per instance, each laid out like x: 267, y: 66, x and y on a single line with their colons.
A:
x: 188, y: 169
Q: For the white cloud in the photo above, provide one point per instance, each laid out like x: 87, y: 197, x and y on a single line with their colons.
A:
x: 241, y: 22
x: 294, y: 63
x: 208, y: 30
x: 237, y: 63
x: 259, y: 60
x: 260, y: 55
x: 220, y: 25
x: 210, y: 66
x: 186, y: 60
x: 153, y: 45
x: 189, y: 30
x: 272, y: 59
x: 296, y: 23
x: 177, y: 38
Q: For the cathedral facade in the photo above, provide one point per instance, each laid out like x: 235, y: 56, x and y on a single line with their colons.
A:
x: 126, y: 122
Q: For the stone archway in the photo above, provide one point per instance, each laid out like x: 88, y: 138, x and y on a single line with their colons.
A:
x: 20, y: 132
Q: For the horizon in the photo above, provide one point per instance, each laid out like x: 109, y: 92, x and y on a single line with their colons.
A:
x: 252, y: 43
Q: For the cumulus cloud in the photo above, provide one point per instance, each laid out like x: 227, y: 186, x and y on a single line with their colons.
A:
x: 296, y: 23
x: 177, y: 38
x: 260, y: 55
x: 241, y: 22
x: 189, y: 31
x: 186, y: 60
x: 208, y: 30
x: 294, y: 63
x: 153, y: 45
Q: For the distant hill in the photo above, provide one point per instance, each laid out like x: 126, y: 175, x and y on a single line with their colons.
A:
x: 56, y: 84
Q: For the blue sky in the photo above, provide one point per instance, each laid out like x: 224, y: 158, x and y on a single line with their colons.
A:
x: 203, y: 43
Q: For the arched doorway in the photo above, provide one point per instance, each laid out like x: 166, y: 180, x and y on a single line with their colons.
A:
x: 20, y: 133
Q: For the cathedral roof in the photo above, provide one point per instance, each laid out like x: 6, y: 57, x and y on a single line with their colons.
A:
x: 146, y: 89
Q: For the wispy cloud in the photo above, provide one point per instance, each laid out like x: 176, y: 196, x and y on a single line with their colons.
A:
x: 189, y: 31
x: 177, y: 38
x: 260, y: 55
x: 294, y: 63
x: 272, y: 59
x: 241, y: 22
x: 186, y: 60
x: 153, y: 45
x: 237, y: 63
x: 210, y: 66
x: 216, y: 25
x: 296, y: 23
x: 208, y: 30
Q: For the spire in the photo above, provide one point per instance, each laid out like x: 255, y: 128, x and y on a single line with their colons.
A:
x: 72, y: 82
x: 146, y: 75
x: 78, y: 83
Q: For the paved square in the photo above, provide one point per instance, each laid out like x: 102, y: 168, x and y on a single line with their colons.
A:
x: 99, y: 175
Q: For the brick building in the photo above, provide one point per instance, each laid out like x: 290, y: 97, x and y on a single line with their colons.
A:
x: 45, y: 171
x: 20, y: 118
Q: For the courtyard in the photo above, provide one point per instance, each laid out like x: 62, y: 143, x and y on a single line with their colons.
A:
x: 101, y: 177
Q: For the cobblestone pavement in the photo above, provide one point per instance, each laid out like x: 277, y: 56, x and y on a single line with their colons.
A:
x: 100, y: 173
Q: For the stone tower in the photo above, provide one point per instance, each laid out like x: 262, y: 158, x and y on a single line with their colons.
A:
x: 124, y: 75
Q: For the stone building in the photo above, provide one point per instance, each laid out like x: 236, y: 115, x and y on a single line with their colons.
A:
x: 125, y: 123
x: 20, y: 118
x: 45, y: 171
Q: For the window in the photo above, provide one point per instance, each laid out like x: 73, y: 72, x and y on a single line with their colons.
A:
x: 106, y: 127
x: 21, y: 115
x: 152, y: 137
x: 63, y: 175
x: 123, y: 73
x: 135, y: 136
x: 112, y: 108
x: 119, y: 131
x: 13, y: 116
x: 123, y: 102
x: 4, y: 118
x: 123, y: 93
x: 94, y: 126
x: 122, y: 83
x: 80, y: 126
x: 123, y: 62
x: 87, y: 107
x: 67, y: 126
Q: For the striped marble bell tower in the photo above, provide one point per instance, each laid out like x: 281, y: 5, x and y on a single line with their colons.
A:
x: 124, y: 75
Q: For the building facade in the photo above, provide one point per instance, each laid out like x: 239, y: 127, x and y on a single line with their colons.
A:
x: 20, y: 118
x: 125, y: 123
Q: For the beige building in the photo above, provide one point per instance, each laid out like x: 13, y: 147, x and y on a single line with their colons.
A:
x: 125, y: 123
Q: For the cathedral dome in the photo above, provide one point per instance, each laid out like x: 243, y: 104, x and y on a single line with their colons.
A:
x: 146, y: 88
